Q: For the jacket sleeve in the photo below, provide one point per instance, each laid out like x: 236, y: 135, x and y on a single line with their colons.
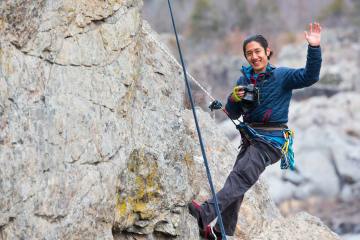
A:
x: 234, y: 109
x: 304, y: 77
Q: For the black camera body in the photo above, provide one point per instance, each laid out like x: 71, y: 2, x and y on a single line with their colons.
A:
x: 251, y: 97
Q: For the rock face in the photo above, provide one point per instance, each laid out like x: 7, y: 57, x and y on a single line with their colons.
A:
x: 94, y: 141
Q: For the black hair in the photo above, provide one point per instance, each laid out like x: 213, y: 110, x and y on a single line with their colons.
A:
x: 259, y: 39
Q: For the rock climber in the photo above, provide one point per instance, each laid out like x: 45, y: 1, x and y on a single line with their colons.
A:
x: 262, y: 97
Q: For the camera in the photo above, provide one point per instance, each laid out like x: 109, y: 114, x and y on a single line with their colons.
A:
x: 251, y: 96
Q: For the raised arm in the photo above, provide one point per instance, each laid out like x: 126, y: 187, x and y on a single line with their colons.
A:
x: 304, y: 77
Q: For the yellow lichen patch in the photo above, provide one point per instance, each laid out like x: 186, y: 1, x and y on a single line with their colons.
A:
x: 140, y: 207
x: 139, y: 181
x: 144, y: 210
x: 143, y: 197
x: 125, y: 216
x: 189, y: 160
x: 148, y: 214
x: 122, y: 208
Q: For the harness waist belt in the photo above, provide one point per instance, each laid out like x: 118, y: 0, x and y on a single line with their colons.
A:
x: 268, y: 126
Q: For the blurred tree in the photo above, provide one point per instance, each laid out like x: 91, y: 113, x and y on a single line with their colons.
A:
x: 241, y: 17
x: 334, y: 12
x: 265, y: 17
x: 233, y: 15
x: 355, y: 12
x: 154, y: 8
x: 205, y: 20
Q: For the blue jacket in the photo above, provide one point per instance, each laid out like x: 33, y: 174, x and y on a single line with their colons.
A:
x: 276, y: 90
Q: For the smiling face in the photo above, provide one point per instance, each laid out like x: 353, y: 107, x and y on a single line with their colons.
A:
x: 257, y: 56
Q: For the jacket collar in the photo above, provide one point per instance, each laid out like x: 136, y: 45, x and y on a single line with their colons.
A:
x: 248, y: 72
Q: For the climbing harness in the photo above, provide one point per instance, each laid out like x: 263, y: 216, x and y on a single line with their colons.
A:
x: 198, y: 129
x: 286, y: 147
x: 287, y: 161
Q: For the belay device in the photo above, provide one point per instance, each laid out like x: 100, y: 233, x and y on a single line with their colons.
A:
x: 215, y: 105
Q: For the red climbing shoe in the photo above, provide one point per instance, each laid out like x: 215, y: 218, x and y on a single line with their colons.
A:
x: 210, y: 233
x: 194, y: 210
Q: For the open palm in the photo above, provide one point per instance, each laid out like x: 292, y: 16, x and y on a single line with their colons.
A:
x: 314, y: 35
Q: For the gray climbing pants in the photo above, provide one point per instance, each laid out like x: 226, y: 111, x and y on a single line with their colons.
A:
x: 251, y: 161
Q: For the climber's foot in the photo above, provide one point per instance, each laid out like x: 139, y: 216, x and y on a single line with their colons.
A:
x: 194, y: 210
x: 210, y: 233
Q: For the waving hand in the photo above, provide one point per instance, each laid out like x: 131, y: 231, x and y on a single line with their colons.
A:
x: 314, y: 35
